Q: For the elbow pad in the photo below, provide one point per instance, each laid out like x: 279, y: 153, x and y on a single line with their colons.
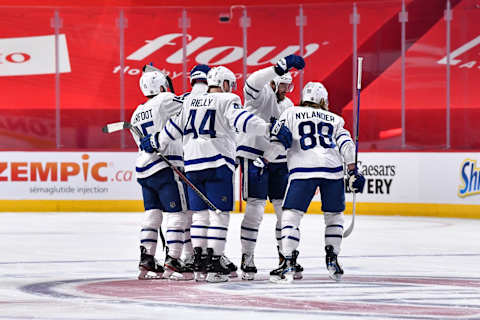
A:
x: 349, y: 153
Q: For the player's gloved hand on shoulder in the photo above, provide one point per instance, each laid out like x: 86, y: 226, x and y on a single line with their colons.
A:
x: 285, y: 64
x: 356, y: 181
x: 149, y: 143
x: 282, y: 133
x: 260, y: 163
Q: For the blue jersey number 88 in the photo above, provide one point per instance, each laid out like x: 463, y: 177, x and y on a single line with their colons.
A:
x: 308, y: 130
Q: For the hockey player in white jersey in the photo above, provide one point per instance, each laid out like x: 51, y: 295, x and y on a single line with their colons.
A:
x: 319, y: 149
x: 198, y: 81
x: 162, y: 190
x: 265, y: 97
x: 208, y: 125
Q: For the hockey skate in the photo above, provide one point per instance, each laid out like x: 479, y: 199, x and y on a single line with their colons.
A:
x: 285, y: 273
x: 188, y: 261
x: 199, y: 264
x: 335, y: 271
x: 175, y: 269
x: 217, y: 271
x: 248, y: 267
x: 298, y: 268
x: 231, y: 266
x: 149, y: 266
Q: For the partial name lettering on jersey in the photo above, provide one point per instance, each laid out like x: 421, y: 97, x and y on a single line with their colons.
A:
x: 202, y: 102
x: 314, y: 114
x: 143, y: 115
x: 150, y: 117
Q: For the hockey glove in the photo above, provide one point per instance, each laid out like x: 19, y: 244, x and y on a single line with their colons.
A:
x: 149, y: 143
x: 356, y: 181
x: 282, y: 133
x: 261, y: 164
x: 285, y: 64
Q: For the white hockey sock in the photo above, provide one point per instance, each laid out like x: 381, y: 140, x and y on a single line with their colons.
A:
x: 199, y: 228
x: 175, y: 233
x: 290, y: 231
x: 187, y: 242
x: 277, y: 206
x: 251, y: 222
x: 217, y: 232
x: 334, y: 230
x: 152, y: 222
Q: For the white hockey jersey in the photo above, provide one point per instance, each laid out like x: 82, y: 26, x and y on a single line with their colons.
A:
x: 320, y: 144
x: 151, y: 117
x: 208, y: 124
x: 261, y: 100
x: 199, y: 88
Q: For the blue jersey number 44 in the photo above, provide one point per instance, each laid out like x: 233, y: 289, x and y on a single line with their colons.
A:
x: 207, y: 125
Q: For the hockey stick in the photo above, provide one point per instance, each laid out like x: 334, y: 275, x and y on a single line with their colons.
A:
x: 117, y: 126
x: 359, y: 87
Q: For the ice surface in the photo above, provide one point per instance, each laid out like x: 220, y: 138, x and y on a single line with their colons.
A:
x: 84, y: 266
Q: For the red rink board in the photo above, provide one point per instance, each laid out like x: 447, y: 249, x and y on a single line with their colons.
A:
x: 90, y: 91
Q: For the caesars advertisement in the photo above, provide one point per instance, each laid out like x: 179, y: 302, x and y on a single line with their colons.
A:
x: 391, y: 178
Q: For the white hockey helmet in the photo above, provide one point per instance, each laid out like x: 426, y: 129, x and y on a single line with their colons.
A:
x: 218, y: 75
x: 286, y: 78
x: 151, y: 81
x: 315, y: 92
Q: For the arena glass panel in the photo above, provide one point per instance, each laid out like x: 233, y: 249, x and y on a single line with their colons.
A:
x: 465, y: 76
x: 328, y: 26
x: 425, y: 78
x: 152, y: 35
x: 90, y: 93
x: 27, y: 79
x: 219, y: 37
x: 274, y: 34
x: 379, y: 43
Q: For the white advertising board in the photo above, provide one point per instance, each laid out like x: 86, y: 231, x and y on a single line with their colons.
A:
x: 33, y: 55
x: 68, y: 176
x: 438, y: 178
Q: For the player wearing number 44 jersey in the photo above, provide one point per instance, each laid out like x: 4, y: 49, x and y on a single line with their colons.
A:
x: 320, y: 147
x: 198, y: 227
x: 161, y: 188
x: 207, y: 126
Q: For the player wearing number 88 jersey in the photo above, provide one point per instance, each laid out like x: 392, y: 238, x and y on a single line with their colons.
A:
x: 320, y: 147
x: 320, y: 142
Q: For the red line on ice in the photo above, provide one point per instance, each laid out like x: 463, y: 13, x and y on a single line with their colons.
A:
x: 192, y: 293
